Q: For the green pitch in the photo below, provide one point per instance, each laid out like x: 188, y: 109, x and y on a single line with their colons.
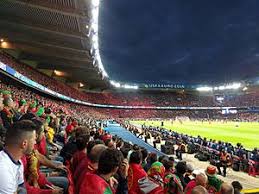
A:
x: 243, y: 132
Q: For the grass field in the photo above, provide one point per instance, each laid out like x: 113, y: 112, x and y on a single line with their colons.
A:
x: 246, y: 133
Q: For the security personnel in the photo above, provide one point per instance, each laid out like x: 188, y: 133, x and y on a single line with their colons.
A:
x: 225, y: 161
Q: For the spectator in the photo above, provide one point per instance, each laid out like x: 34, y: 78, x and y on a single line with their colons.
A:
x: 122, y: 176
x: 181, y: 168
x: 136, y: 172
x: 88, y: 164
x: 2, y: 128
x: 7, y: 114
x: 169, y: 166
x: 82, y: 138
x: 150, y: 160
x: 188, y: 175
x: 33, y: 174
x: 144, y: 157
x: 20, y: 140
x: 200, y: 179
x: 69, y: 148
x: 199, y: 190
x: 110, y: 143
x: 214, y: 183
x: 225, y: 161
x: 175, y: 182
x: 226, y: 189
x: 237, y: 187
x: 154, y: 183
x: 109, y: 163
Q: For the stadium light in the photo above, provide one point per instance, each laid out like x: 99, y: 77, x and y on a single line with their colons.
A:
x: 95, y: 40
x: 124, y: 86
x: 95, y: 3
x: 59, y: 73
x: 95, y: 12
x: 115, y: 84
x: 222, y: 87
x: 204, y: 89
x: 4, y: 44
x: 94, y: 27
x: 232, y: 86
x: 81, y: 85
x: 245, y: 88
x: 93, y: 33
x: 236, y: 85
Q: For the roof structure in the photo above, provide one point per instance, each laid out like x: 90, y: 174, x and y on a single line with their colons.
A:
x: 53, y: 34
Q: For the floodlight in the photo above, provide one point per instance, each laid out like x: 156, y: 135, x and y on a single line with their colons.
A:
x: 95, y: 3
x: 204, y: 89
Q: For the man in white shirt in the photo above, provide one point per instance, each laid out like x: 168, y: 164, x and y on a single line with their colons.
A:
x: 20, y: 139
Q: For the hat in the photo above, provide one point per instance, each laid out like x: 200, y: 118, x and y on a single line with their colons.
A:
x: 211, y: 170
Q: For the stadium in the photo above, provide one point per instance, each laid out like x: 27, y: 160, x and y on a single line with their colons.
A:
x: 129, y: 97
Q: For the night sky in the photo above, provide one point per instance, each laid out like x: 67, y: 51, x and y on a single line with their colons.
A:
x: 179, y: 41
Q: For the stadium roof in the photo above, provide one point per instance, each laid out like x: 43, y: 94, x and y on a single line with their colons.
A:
x: 52, y: 35
x: 149, y: 42
x: 176, y: 41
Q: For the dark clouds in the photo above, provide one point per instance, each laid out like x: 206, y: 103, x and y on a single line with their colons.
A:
x: 177, y: 41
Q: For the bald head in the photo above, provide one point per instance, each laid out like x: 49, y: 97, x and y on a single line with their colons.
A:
x: 96, y: 152
x: 201, y: 179
x: 226, y: 189
x: 199, y: 190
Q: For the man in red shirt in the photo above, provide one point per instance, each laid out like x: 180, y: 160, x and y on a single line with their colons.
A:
x: 82, y: 138
x: 88, y: 165
x: 136, y: 172
x: 99, y: 183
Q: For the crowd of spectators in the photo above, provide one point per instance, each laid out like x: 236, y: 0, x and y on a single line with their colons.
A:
x: 219, y: 153
x: 52, y: 146
x: 132, y: 98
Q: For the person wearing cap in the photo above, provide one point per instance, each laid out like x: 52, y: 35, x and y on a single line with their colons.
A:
x: 153, y: 184
x: 214, y: 183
